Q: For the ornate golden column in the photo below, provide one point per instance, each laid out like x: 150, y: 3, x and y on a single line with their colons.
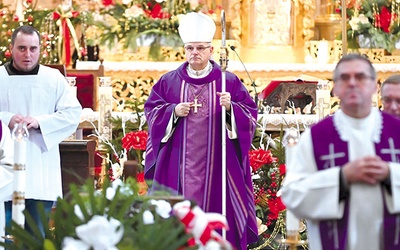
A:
x: 328, y: 22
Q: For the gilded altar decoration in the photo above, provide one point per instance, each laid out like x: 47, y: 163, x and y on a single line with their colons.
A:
x: 373, y: 24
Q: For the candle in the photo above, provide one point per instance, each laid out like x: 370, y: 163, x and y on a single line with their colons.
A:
x: 105, y: 100
x: 290, y: 139
x: 323, y: 52
x: 20, y: 135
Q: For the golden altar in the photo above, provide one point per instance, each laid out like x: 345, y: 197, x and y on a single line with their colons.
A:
x: 129, y: 76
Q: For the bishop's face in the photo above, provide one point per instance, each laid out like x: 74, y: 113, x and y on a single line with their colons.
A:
x: 355, y: 87
x: 198, y: 54
x: 25, y: 51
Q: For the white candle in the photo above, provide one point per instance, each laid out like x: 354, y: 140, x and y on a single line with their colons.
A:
x: 291, y: 138
x: 20, y: 134
x: 292, y: 222
x: 323, y: 52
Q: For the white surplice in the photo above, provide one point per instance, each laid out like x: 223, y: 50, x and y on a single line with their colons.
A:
x: 6, y: 173
x: 48, y: 98
x: 314, y: 195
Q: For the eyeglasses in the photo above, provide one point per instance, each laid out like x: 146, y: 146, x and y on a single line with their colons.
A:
x: 190, y: 48
x: 387, y: 101
x: 358, y: 77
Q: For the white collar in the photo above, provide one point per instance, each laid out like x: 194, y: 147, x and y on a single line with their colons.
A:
x: 371, y: 124
x: 199, y: 73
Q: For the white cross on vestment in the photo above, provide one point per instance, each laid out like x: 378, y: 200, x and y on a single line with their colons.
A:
x: 330, y: 158
x: 391, y: 150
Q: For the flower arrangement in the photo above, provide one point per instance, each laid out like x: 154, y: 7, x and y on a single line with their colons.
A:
x: 373, y: 24
x: 153, y: 22
x: 116, y: 217
x: 128, y: 143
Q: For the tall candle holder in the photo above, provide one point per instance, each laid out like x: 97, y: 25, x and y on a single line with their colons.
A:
x: 292, y: 240
x: 105, y: 100
x: 105, y: 108
x: 20, y: 136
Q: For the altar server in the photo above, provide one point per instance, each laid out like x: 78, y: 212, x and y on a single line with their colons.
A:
x: 345, y: 182
x: 6, y: 172
x: 184, y: 147
x: 40, y: 97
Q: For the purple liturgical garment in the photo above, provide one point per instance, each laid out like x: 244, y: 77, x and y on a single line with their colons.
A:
x: 337, y: 150
x: 189, y: 162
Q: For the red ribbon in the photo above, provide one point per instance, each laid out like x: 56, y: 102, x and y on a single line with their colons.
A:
x: 201, y: 225
x: 66, y: 33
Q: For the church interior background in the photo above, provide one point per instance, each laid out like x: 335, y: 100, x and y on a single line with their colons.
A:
x: 284, y: 50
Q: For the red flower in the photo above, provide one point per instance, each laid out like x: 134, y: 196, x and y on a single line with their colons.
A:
x: 140, y: 177
x: 155, y: 11
x: 108, y: 2
x: 260, y: 157
x: 275, y: 207
x: 384, y: 19
x: 135, y: 140
x: 282, y: 169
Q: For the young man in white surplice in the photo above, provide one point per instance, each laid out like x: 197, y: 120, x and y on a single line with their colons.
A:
x: 40, y: 97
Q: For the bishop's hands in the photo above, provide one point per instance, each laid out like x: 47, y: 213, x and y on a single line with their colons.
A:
x: 225, y: 99
x: 369, y: 169
x: 30, y: 121
x: 183, y: 109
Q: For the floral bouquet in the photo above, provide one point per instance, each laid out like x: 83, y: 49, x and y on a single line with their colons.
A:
x: 116, y: 217
x: 373, y: 24
x: 146, y: 21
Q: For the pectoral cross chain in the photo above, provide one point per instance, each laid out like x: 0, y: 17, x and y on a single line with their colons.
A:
x: 196, y: 103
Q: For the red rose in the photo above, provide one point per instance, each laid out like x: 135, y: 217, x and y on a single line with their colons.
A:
x: 260, y: 157
x: 135, y: 140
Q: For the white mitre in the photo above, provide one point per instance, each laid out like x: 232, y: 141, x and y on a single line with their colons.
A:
x: 196, y: 27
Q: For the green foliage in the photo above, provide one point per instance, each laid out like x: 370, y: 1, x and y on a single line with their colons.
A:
x: 126, y: 206
x: 143, y: 20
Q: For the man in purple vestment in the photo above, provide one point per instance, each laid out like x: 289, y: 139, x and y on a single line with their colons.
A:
x: 345, y: 175
x: 390, y: 95
x: 184, y: 148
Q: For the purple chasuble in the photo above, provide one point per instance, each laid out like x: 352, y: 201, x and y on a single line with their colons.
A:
x: 189, y: 162
x: 331, y: 151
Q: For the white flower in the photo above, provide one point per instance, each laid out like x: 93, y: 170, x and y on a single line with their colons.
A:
x: 160, y: 1
x: 148, y: 217
x: 70, y: 243
x: 101, y: 233
x: 78, y: 212
x: 133, y: 11
x: 163, y: 208
x: 110, y: 193
x: 117, y: 170
x: 355, y: 21
x: 126, y: 2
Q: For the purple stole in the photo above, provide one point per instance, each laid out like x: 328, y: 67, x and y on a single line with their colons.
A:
x: 332, y: 150
x: 1, y: 131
